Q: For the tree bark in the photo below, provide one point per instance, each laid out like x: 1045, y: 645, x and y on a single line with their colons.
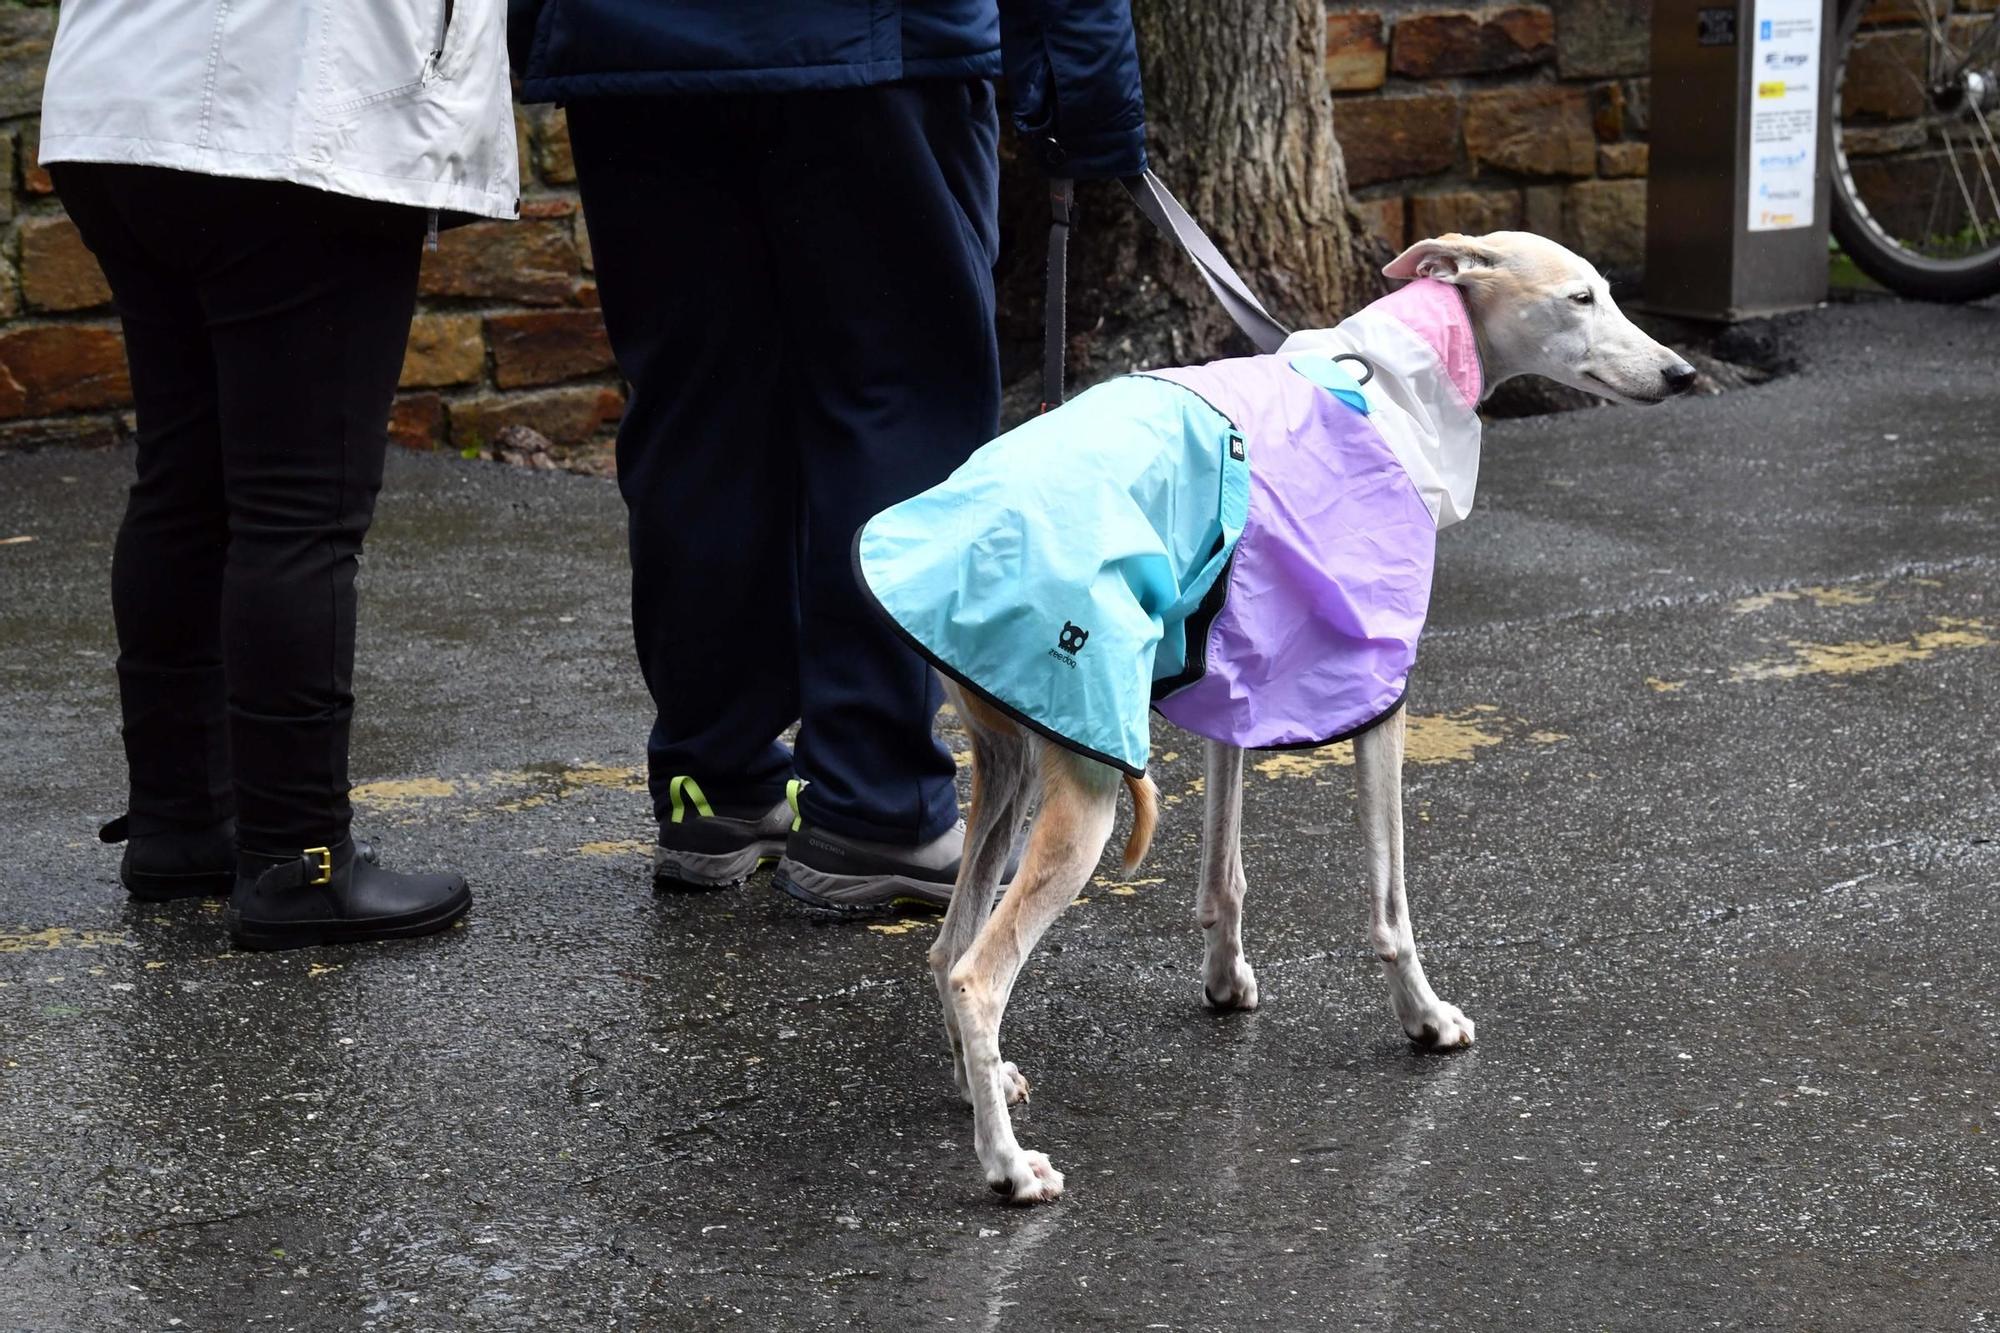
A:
x: 1240, y: 128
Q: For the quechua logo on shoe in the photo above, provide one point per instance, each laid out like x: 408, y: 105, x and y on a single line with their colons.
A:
x: 1069, y: 643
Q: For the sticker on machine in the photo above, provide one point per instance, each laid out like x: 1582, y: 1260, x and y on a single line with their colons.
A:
x: 1784, y: 114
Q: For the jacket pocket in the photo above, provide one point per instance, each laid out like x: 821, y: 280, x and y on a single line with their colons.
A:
x: 373, y: 51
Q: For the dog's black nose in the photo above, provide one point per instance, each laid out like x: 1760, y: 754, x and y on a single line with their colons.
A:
x: 1678, y: 376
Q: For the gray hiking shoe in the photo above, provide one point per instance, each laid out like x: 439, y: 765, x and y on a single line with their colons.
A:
x: 830, y: 870
x: 705, y: 847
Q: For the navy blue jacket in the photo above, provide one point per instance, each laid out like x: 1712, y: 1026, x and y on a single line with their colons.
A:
x: 1072, y: 66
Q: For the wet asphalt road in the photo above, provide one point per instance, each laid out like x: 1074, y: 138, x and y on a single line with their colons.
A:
x: 1705, y: 834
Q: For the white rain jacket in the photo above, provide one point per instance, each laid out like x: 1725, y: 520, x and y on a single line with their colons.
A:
x: 405, y: 101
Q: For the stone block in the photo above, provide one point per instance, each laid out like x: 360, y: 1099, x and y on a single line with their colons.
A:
x: 1356, y: 58
x: 1622, y: 159
x: 542, y: 206
x: 566, y: 416
x: 1384, y: 219
x: 25, y: 38
x: 1435, y: 46
x: 34, y: 180
x: 54, y: 368
x: 533, y: 262
x: 1542, y: 210
x: 443, y: 349
x: 1880, y: 80
x: 1605, y: 222
x: 1607, y: 111
x: 417, y: 422
x: 94, y: 432
x: 1638, y: 105
x: 553, y: 160
x: 547, y: 346
x: 1535, y: 131
x: 6, y: 177
x: 1472, y: 212
x: 1387, y: 138
x: 1600, y: 38
x: 57, y: 271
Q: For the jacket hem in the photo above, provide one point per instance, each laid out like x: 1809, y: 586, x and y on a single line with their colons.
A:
x: 1338, y: 737
x: 985, y: 696
x: 697, y: 82
x: 414, y: 192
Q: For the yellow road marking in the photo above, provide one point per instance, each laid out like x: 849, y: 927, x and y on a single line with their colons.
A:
x: 1433, y: 738
x: 1860, y: 594
x: 60, y: 937
x: 1861, y: 655
x: 903, y: 927
x: 622, y: 847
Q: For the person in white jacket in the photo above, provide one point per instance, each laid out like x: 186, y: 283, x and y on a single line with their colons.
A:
x: 256, y: 179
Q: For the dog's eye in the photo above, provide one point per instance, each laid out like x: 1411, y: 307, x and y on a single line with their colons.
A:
x: 1584, y: 298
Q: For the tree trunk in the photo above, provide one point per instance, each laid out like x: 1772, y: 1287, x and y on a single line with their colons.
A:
x: 1240, y: 128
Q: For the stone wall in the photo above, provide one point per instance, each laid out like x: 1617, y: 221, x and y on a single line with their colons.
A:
x: 507, y: 330
x: 1471, y: 120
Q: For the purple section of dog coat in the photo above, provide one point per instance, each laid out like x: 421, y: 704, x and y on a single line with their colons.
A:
x: 1331, y: 578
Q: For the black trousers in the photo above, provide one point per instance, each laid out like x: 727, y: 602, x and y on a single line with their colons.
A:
x: 799, y: 288
x: 265, y: 325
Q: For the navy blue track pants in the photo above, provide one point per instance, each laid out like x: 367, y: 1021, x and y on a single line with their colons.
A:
x: 799, y: 288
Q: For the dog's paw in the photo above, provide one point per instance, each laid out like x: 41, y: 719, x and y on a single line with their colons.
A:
x: 1235, y: 988
x: 1028, y: 1178
x: 1439, y: 1027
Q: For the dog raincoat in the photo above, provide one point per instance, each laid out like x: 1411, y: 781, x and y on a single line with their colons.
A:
x: 1245, y: 545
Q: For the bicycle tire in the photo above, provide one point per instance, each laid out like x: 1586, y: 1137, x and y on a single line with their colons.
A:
x: 1867, y: 243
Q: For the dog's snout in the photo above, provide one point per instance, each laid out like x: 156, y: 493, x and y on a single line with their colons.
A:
x: 1679, y: 377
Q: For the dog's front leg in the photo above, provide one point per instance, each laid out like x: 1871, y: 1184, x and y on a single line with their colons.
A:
x: 1227, y: 982
x: 1427, y: 1020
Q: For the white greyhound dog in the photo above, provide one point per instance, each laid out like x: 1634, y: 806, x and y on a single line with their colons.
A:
x: 1534, y: 308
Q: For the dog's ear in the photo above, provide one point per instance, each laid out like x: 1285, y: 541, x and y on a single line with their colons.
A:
x: 1448, y: 258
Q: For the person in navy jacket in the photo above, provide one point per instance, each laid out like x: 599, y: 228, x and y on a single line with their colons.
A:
x: 793, y: 208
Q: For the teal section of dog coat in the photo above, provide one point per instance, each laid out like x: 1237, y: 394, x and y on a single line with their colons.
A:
x: 1055, y: 572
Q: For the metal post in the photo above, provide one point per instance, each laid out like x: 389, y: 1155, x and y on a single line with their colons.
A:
x: 1741, y: 135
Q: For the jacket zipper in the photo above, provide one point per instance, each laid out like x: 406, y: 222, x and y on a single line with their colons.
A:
x: 431, y: 72
x: 436, y: 57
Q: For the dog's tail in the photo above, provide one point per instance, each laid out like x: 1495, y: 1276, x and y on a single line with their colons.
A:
x: 1145, y: 815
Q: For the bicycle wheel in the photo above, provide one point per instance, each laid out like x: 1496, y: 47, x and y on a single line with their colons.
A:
x: 1916, y: 180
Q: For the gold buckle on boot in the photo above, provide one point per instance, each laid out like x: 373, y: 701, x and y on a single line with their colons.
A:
x: 325, y: 875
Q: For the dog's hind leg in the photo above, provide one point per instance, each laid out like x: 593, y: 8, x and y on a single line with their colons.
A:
x: 1227, y: 981
x: 1002, y: 771
x: 1426, y: 1020
x: 1079, y: 801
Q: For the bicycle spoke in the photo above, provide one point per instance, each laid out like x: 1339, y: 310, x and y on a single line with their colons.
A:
x: 1987, y: 130
x: 1971, y: 204
x: 1937, y: 195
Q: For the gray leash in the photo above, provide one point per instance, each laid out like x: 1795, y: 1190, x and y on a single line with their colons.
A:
x: 1165, y: 212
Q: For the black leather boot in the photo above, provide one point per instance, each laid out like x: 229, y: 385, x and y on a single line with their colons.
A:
x: 335, y: 895
x: 184, y: 863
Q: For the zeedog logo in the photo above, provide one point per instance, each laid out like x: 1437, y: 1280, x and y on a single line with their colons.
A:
x: 1069, y: 643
